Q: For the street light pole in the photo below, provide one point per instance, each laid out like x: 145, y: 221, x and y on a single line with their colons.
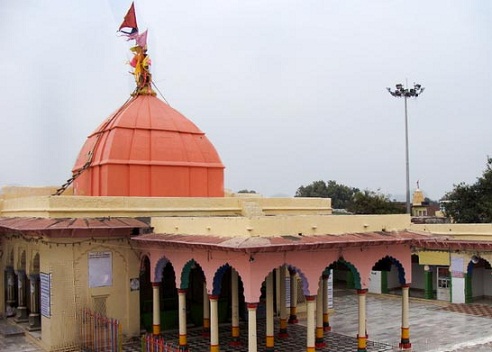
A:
x: 402, y: 92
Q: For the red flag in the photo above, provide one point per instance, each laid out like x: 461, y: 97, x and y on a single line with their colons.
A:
x: 130, y: 20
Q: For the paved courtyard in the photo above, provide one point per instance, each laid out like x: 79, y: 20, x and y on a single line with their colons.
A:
x: 434, y: 327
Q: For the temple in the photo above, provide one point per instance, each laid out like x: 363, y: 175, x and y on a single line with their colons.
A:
x: 145, y: 239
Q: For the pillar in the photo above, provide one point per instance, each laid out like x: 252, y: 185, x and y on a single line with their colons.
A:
x: 206, y: 312
x: 468, y: 288
x: 183, y: 345
x: 252, y: 333
x: 428, y: 291
x: 311, y: 322
x: 156, y: 309
x: 270, y: 339
x: 326, y: 313
x: 10, y: 299
x: 21, y: 316
x: 405, y: 326
x: 235, y: 309
x: 319, y: 337
x: 293, y: 298
x: 34, y: 317
x: 214, y: 323
x: 283, y: 334
x: 361, y: 336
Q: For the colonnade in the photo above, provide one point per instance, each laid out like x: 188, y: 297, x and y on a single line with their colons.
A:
x: 317, y: 315
x: 18, y: 296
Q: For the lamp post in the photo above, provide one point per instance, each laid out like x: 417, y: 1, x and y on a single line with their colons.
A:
x: 402, y: 92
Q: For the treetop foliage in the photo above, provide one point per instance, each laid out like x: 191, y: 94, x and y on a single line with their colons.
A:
x: 471, y: 203
x: 350, y: 198
x: 246, y: 191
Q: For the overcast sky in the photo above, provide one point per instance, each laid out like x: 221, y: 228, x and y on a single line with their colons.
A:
x: 289, y: 92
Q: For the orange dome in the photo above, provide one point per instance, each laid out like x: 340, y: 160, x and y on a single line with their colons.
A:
x: 148, y: 149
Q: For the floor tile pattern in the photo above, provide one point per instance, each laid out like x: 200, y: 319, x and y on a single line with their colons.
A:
x: 296, y: 342
x: 481, y: 310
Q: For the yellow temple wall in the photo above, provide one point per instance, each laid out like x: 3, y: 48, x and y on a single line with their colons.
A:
x: 279, y: 225
x: 20, y: 203
x: 467, y: 232
x: 67, y: 262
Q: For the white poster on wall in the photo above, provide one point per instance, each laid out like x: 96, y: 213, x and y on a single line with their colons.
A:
x: 100, y: 269
x: 45, y: 294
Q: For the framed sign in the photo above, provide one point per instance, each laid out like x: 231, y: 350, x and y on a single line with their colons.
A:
x: 135, y: 284
x: 45, y: 290
x: 100, y: 269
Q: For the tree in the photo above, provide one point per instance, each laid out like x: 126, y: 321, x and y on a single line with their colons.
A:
x: 471, y: 203
x: 351, y: 198
x: 246, y: 191
x: 340, y: 195
x: 370, y: 202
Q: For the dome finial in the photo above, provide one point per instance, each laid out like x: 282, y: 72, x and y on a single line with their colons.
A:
x: 141, y: 61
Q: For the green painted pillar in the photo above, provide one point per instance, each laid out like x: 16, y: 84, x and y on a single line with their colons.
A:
x: 428, y: 292
x: 468, y: 288
x: 384, y: 282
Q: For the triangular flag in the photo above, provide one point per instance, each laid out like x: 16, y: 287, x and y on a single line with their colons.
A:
x: 130, y: 20
x: 141, y: 39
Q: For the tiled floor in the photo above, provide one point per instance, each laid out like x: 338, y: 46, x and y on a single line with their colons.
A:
x: 434, y: 326
x: 296, y: 342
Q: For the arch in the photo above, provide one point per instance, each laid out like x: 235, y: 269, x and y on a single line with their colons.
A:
x: 470, y: 282
x: 382, y: 265
x: 10, y: 260
x: 144, y: 262
x: 185, y: 274
x: 145, y: 294
x: 482, y: 262
x: 304, y: 281
x: 219, y: 274
x: 159, y: 267
x: 21, y: 265
x: 35, y: 264
x: 352, y: 268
